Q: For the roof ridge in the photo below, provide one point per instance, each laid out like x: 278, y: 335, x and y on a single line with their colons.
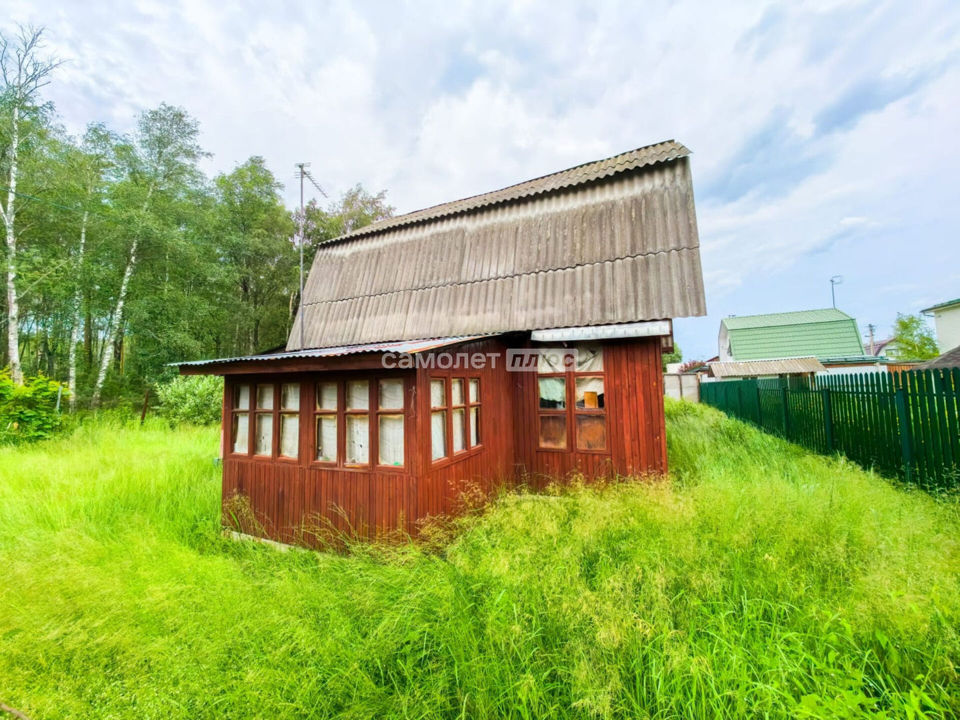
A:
x: 605, y: 167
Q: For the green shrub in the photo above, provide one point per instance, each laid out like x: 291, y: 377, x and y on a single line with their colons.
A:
x: 29, y: 411
x: 195, y: 399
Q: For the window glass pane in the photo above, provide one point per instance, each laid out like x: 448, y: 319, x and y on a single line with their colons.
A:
x: 553, y: 393
x: 459, y: 431
x: 241, y: 431
x: 589, y: 358
x: 290, y: 396
x: 438, y: 434
x: 263, y: 438
x: 241, y: 397
x: 474, y: 391
x: 438, y: 395
x: 456, y: 391
x: 391, y: 394
x: 290, y: 435
x: 327, y: 396
x: 391, y: 440
x: 554, y: 360
x: 358, y: 395
x: 327, y: 438
x: 358, y: 439
x: 553, y: 431
x: 591, y: 432
x: 265, y: 397
x: 590, y: 393
x: 474, y: 426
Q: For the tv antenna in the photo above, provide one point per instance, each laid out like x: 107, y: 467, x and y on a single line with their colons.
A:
x: 834, y: 281
x: 303, y: 173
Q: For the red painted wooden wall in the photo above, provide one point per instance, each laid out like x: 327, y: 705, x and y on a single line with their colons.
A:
x: 301, y: 501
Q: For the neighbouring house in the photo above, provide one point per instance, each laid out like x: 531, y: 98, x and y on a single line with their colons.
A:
x: 514, y: 335
x: 946, y: 319
x: 948, y: 361
x: 829, y: 335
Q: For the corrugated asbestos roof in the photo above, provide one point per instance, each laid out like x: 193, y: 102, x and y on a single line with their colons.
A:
x: 578, y: 175
x: 608, y: 242
x: 824, y: 334
x: 762, y: 368
x: 397, y: 347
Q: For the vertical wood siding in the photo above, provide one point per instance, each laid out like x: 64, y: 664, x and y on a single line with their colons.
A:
x: 301, y: 502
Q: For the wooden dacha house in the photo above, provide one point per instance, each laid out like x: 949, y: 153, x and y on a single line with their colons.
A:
x: 514, y: 335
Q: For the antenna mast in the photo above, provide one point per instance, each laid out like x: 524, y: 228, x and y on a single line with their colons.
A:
x: 302, y: 173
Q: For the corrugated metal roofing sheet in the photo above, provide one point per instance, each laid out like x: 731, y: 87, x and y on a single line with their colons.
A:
x: 407, y: 346
x: 762, y: 368
x: 820, y: 333
x: 797, y: 317
x: 608, y: 242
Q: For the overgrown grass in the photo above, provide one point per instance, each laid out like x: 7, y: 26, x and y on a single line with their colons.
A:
x: 762, y: 581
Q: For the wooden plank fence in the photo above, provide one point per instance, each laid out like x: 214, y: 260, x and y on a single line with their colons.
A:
x: 904, y: 424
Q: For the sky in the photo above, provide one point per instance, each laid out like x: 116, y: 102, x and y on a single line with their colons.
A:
x: 825, y: 135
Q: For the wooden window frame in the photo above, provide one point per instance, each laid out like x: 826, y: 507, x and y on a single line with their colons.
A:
x: 373, y: 413
x: 234, y: 411
x: 448, y: 407
x: 571, y: 411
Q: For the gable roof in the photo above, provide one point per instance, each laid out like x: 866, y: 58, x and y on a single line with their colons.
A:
x: 611, y: 241
x: 827, y: 333
x: 950, y: 359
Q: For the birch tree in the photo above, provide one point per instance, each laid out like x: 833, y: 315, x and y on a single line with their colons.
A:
x: 23, y: 72
x: 162, y: 161
x: 89, y: 167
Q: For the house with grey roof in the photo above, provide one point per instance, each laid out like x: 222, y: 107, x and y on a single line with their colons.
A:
x: 513, y: 335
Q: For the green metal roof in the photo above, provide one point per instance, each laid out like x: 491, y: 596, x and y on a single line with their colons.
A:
x: 942, y: 306
x: 823, y: 334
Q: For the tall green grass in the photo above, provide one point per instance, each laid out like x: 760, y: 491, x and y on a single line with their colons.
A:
x: 760, y: 581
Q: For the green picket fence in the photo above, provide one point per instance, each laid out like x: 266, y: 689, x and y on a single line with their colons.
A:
x: 904, y: 424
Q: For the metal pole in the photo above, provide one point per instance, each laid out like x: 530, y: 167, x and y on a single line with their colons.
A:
x: 302, y: 218
x: 833, y: 293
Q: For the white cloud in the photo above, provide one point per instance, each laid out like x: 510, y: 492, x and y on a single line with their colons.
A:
x: 830, y: 130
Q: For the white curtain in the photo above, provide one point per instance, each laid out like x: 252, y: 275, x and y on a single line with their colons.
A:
x: 327, y: 435
x: 438, y: 434
x: 327, y: 396
x: 241, y: 431
x: 264, y: 435
x: 459, y: 431
x: 391, y: 440
x: 391, y: 394
x: 358, y: 439
x: 438, y: 396
x: 290, y: 396
x: 358, y: 395
x: 589, y: 385
x: 290, y: 435
x: 589, y: 358
x: 474, y: 426
x: 242, y: 400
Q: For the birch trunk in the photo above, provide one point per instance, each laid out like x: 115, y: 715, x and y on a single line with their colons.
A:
x: 13, y: 312
x: 77, y: 319
x: 106, y: 354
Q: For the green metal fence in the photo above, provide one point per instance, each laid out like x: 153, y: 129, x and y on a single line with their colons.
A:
x: 904, y: 424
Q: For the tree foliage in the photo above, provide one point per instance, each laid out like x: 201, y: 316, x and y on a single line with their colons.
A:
x: 129, y: 257
x: 913, y: 339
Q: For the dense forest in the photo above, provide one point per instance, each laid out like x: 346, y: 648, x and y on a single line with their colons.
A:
x: 121, y: 255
